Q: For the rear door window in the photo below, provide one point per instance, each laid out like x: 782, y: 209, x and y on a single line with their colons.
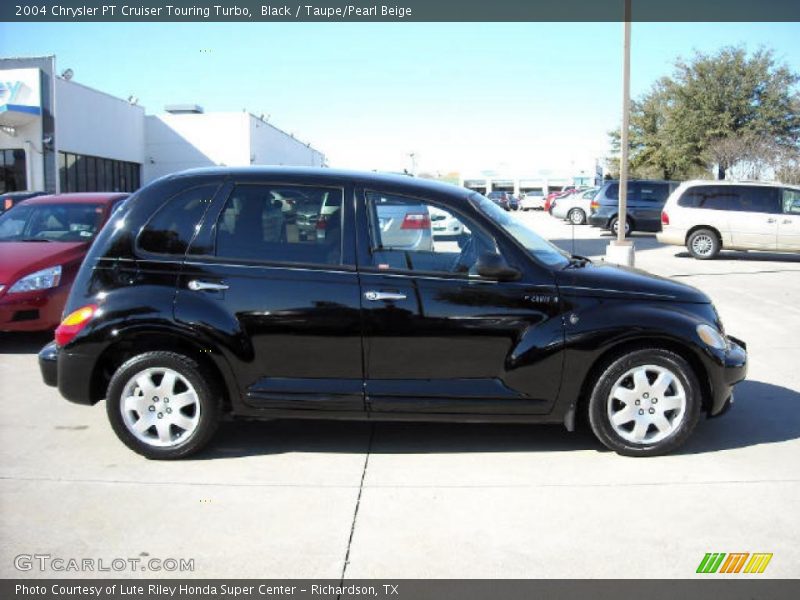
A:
x: 297, y: 224
x: 653, y: 192
x: 732, y: 197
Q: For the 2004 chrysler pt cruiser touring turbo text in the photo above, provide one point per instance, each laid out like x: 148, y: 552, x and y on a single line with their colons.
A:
x: 286, y: 293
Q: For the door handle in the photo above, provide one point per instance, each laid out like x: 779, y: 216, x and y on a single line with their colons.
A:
x: 374, y: 296
x: 196, y: 285
x: 787, y: 221
x: 770, y: 220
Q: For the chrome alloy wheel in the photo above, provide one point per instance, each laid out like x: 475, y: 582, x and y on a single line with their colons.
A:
x: 702, y: 244
x: 160, y: 407
x: 646, y: 405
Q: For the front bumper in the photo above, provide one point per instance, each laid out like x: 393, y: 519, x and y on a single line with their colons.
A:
x: 733, y: 369
x: 33, y: 311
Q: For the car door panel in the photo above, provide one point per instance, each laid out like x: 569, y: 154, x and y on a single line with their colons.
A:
x: 291, y: 332
x: 454, y: 343
x: 460, y: 346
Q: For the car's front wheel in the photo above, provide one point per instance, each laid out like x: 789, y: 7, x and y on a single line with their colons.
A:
x: 645, y: 403
x: 160, y: 405
x: 576, y: 216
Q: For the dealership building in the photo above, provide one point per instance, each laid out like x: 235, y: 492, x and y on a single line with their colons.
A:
x: 540, y: 183
x: 57, y: 135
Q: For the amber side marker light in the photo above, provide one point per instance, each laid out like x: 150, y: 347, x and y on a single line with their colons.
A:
x: 73, y: 323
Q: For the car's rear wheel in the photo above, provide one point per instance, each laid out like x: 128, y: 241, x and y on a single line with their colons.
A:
x: 615, y: 226
x: 160, y: 405
x: 645, y: 403
x: 703, y: 244
x: 576, y: 216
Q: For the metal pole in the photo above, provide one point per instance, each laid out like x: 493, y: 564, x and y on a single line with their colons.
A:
x: 626, y: 107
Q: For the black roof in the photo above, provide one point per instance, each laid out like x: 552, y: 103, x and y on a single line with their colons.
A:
x: 320, y: 174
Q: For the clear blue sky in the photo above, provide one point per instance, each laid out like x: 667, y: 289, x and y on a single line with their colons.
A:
x: 463, y: 96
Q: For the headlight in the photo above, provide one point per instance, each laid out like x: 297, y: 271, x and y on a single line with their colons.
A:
x: 41, y: 280
x: 711, y: 337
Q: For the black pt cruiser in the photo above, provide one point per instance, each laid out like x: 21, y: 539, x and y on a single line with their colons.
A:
x: 316, y: 293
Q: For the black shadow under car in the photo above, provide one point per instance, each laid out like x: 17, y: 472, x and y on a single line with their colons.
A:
x: 202, y: 300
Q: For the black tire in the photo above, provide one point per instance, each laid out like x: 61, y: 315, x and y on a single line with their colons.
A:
x: 576, y: 216
x: 600, y: 399
x: 614, y: 224
x: 208, y: 404
x: 704, y: 244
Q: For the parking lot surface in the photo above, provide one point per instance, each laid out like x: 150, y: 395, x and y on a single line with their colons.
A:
x: 330, y: 499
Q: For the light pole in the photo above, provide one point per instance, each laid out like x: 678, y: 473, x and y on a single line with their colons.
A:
x: 621, y: 250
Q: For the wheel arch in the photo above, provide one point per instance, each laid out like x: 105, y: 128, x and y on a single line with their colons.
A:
x: 711, y: 228
x: 138, y: 340
x: 641, y: 343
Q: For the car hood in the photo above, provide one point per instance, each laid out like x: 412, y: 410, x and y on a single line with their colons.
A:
x: 610, y: 281
x: 18, y: 259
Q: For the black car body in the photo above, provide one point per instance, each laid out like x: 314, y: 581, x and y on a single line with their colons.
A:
x: 499, y: 326
x: 646, y: 198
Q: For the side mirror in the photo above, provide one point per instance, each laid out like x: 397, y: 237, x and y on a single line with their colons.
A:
x: 493, y: 266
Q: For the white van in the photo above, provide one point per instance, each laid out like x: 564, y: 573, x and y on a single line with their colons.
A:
x: 707, y: 216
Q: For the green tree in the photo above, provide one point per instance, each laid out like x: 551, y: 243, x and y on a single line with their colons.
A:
x: 709, y: 111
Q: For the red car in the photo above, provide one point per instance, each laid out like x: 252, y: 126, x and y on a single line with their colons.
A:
x: 42, y: 243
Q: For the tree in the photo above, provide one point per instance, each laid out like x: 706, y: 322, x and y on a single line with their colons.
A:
x: 719, y: 110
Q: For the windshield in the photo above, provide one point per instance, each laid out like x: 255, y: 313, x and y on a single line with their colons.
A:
x: 51, y: 223
x: 537, y: 246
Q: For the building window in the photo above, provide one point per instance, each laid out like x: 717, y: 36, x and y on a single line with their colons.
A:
x: 80, y: 173
x: 13, y: 174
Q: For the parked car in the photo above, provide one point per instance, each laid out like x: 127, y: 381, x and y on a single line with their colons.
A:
x: 9, y: 199
x: 533, y: 200
x: 176, y: 327
x: 42, y: 243
x: 548, y: 201
x: 513, y: 202
x: 645, y: 200
x: 556, y: 197
x: 502, y: 199
x: 707, y: 216
x: 444, y: 224
x: 575, y: 207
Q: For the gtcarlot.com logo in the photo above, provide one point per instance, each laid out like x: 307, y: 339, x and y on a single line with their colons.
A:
x: 48, y: 562
x: 734, y: 562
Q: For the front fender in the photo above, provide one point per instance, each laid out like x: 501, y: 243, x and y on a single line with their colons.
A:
x: 597, y: 328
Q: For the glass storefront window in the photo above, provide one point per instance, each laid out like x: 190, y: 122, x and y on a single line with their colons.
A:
x: 13, y: 171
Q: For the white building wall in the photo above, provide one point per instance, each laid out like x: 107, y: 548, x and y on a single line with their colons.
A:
x: 175, y: 142
x: 94, y: 123
x: 271, y: 146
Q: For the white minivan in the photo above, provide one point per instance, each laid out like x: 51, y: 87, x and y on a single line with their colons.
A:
x: 707, y: 216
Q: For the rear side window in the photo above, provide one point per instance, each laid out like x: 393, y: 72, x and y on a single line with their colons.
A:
x: 285, y: 224
x: 653, y: 192
x: 612, y: 191
x: 729, y: 197
x: 172, y: 228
